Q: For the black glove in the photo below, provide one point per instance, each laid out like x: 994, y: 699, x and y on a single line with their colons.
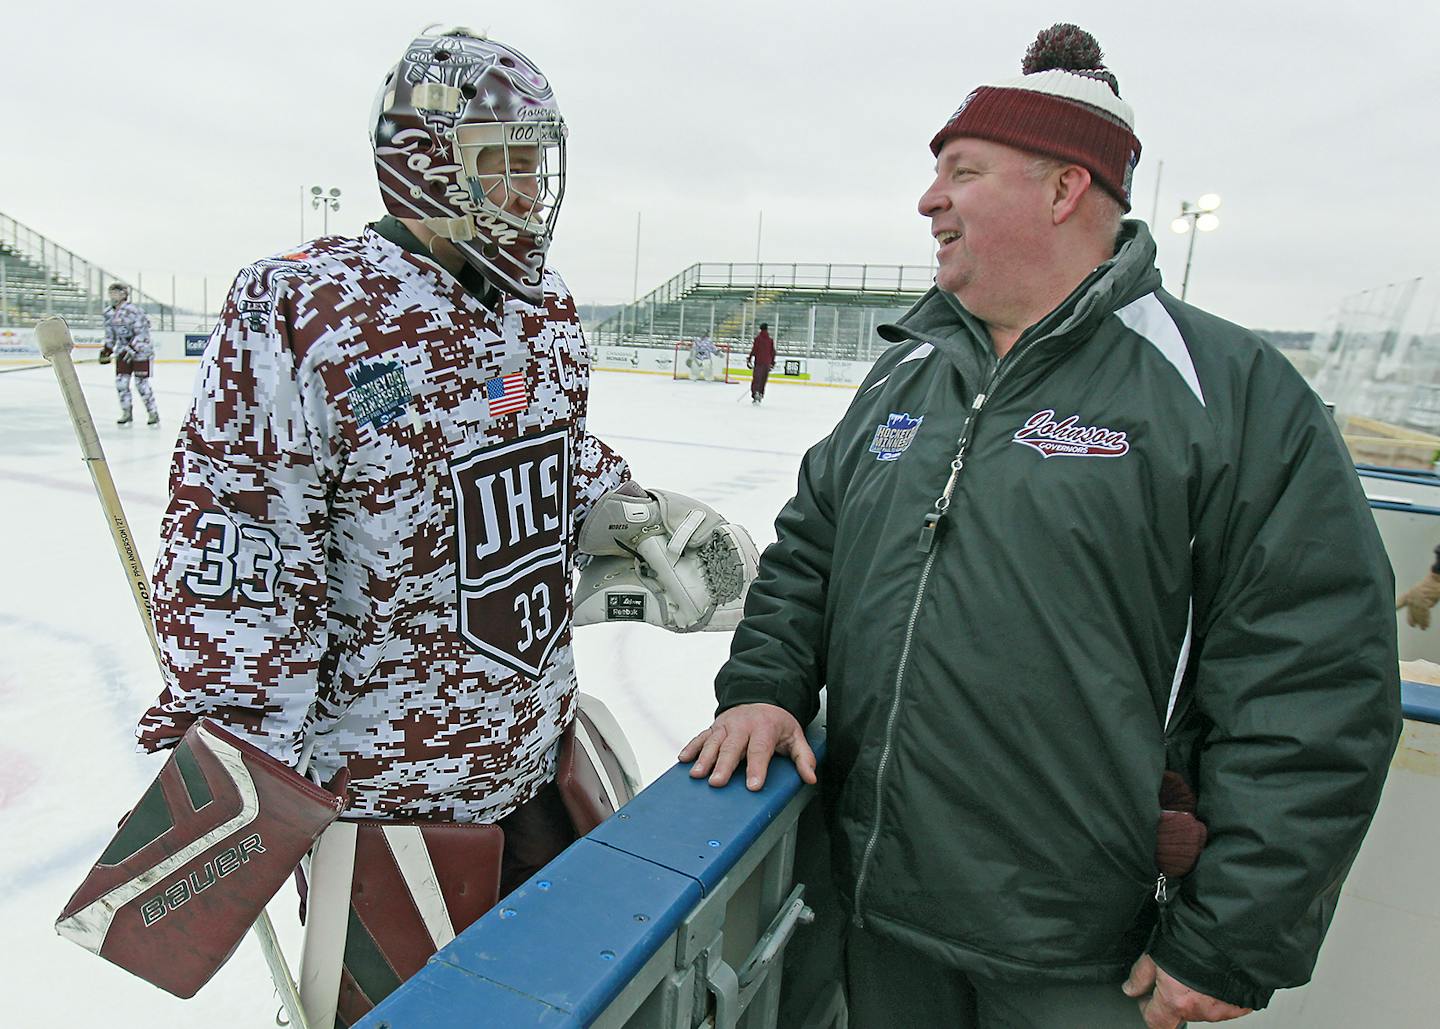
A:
x: 105, y: 355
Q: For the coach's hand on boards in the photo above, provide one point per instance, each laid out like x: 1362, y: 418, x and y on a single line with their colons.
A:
x: 752, y: 733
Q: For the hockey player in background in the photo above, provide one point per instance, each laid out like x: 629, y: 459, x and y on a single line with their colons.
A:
x: 761, y: 360
x: 377, y: 502
x: 127, y: 342
x: 702, y: 357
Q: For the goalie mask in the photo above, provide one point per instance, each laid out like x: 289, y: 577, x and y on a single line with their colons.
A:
x: 468, y: 139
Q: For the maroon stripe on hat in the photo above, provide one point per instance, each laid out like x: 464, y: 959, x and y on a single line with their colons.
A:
x: 466, y: 859
x: 1051, y: 126
x: 384, y: 906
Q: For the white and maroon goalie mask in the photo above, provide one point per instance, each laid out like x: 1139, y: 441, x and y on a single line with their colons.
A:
x: 468, y: 139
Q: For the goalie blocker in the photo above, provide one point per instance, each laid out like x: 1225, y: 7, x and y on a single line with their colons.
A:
x: 663, y: 558
x: 194, y: 863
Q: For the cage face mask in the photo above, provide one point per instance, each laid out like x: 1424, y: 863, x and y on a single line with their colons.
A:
x: 469, y: 140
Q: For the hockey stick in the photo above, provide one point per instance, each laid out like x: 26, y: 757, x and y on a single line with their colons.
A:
x: 53, y: 335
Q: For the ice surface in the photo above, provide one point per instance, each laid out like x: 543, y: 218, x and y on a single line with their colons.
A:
x: 76, y: 671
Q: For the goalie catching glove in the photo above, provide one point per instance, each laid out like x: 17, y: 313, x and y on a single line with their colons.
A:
x: 663, y: 558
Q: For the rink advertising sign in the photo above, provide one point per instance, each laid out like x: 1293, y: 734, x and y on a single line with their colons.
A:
x: 13, y: 342
x: 512, y: 505
x: 619, y: 356
x: 195, y: 343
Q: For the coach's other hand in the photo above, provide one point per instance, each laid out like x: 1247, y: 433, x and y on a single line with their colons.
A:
x: 753, y: 733
x: 1166, y: 1002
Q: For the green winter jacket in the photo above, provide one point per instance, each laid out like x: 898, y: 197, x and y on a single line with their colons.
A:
x: 1156, y: 552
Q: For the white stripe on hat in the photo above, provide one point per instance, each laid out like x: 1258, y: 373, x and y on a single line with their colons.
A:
x: 1073, y: 86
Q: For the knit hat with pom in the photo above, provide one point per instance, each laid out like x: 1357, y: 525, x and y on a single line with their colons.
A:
x: 1065, y: 105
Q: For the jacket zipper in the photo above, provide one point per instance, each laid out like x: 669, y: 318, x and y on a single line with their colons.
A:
x: 926, y: 544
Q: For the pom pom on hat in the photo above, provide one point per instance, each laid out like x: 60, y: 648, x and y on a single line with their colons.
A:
x: 1065, y: 105
x: 1064, y: 46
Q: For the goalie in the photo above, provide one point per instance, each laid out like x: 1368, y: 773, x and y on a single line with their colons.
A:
x: 700, y: 365
x: 377, y: 504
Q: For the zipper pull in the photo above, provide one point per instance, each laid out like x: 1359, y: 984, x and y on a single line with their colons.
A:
x: 927, y: 532
x: 1161, y: 896
x: 978, y: 402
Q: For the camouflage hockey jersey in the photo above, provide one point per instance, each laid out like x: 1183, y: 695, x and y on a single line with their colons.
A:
x: 127, y: 332
x: 373, y: 517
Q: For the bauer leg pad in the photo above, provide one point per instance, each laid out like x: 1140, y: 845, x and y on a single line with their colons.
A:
x: 384, y: 897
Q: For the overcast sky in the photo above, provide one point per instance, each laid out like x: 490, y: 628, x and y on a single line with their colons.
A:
x: 176, y: 139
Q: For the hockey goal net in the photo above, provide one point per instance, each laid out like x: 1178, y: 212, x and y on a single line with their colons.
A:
x: 715, y: 368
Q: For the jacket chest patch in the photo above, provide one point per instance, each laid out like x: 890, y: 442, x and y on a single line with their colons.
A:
x: 894, y: 437
x: 1068, y: 438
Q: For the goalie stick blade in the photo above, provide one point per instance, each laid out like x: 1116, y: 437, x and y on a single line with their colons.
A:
x: 192, y: 866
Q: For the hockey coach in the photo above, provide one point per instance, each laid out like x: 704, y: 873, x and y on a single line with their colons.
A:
x: 1073, y: 538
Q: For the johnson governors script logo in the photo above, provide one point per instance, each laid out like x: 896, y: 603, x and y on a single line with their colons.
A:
x: 513, y: 507
x: 894, y: 437
x: 1066, y: 438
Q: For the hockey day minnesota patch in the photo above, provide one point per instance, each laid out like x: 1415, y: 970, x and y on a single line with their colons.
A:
x: 378, y: 392
x: 894, y: 437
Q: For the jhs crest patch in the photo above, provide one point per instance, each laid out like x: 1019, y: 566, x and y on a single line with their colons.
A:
x: 513, y: 507
x: 1067, y: 438
x: 894, y: 437
x: 378, y: 392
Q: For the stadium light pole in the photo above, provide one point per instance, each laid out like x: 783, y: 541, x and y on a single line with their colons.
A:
x: 635, y: 282
x: 1194, y: 219
x: 755, y: 304
x: 328, y: 199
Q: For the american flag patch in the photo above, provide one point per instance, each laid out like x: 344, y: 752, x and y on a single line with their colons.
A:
x: 506, y: 394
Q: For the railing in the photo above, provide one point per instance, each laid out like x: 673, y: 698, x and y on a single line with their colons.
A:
x: 856, y: 278
x: 804, y: 305
x: 63, y: 282
x: 842, y: 278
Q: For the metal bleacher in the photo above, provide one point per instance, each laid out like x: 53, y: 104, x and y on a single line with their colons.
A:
x: 39, y: 278
x: 813, y: 310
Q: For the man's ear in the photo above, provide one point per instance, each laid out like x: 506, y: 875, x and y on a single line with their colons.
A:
x: 1071, y: 183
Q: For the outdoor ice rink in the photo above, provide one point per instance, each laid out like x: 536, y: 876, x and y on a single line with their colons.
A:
x: 76, y: 670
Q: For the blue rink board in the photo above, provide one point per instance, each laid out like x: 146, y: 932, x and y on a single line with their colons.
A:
x: 602, y: 909
x: 1420, y: 701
